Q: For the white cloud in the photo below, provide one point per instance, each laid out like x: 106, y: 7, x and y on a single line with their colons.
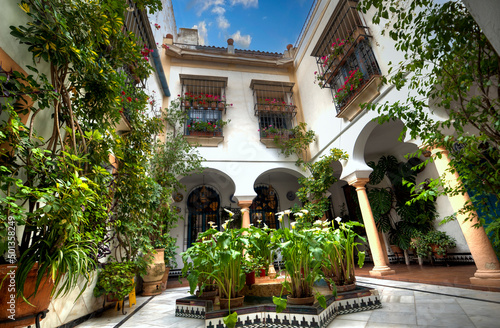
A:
x: 223, y: 23
x: 242, y: 41
x: 203, y: 5
x: 218, y: 10
x: 246, y: 3
x: 202, y: 32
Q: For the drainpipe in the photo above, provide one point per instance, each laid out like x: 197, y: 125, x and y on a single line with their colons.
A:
x: 160, y: 73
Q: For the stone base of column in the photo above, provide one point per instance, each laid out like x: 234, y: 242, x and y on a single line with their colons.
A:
x: 381, y: 271
x: 485, y: 282
x: 487, y: 278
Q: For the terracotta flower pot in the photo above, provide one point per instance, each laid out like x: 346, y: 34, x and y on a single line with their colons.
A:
x: 250, y: 278
x: 301, y: 300
x: 235, y: 302
x: 40, y: 302
x: 164, y: 280
x: 207, y: 295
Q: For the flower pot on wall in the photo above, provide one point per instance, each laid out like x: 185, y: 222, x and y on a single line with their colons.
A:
x: 221, y: 106
x: 40, y: 302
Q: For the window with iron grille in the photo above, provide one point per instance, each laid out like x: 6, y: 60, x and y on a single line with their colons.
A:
x: 345, y: 59
x: 204, y: 99
x: 274, y: 106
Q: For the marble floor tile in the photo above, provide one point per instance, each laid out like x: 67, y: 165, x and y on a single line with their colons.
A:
x: 342, y: 323
x: 358, y: 316
x: 388, y: 325
x: 438, y: 308
x: 403, y: 318
x: 444, y: 320
x: 476, y: 308
x: 485, y: 321
x: 397, y: 307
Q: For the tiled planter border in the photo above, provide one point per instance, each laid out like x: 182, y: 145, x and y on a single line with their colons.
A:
x: 264, y: 315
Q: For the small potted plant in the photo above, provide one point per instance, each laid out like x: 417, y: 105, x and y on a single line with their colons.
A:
x: 116, y: 280
x: 440, y: 242
x: 437, y: 242
x: 262, y: 247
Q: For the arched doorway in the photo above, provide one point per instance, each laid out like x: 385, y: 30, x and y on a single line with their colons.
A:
x: 264, y: 206
x: 203, y: 207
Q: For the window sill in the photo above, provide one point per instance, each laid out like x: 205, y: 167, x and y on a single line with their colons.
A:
x: 366, y: 95
x: 269, y: 141
x: 204, y: 141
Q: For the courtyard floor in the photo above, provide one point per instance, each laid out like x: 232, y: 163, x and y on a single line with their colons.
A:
x: 422, y: 303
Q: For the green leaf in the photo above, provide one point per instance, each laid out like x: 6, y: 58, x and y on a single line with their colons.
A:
x: 321, y: 300
x: 230, y: 320
x: 280, y: 304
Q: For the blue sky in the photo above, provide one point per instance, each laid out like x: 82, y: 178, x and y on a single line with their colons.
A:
x: 265, y: 25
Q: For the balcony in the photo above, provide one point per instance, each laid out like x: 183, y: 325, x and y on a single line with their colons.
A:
x: 343, y: 50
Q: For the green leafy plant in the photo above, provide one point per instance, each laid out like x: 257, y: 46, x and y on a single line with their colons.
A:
x: 170, y: 251
x: 340, y: 246
x: 221, y: 252
x: 416, y: 215
x: 63, y: 198
x: 207, y: 126
x: 262, y: 246
x: 314, y: 187
x: 302, y: 138
x: 423, y: 243
x: 117, y: 279
x: 303, y: 260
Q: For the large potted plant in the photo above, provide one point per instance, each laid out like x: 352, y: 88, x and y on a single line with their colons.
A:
x: 224, y: 256
x: 303, y: 260
x: 340, y: 248
x: 199, y: 261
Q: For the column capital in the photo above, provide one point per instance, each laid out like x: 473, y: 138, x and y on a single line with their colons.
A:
x: 244, y: 204
x: 359, y: 183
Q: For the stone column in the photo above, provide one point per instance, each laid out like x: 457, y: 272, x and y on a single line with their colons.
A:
x: 488, y: 268
x: 245, y: 204
x: 380, y: 267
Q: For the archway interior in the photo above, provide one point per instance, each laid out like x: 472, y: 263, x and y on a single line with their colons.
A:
x: 264, y: 207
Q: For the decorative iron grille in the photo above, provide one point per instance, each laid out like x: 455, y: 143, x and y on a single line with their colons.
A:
x: 204, y: 99
x: 361, y: 60
x: 203, y: 207
x: 274, y: 106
